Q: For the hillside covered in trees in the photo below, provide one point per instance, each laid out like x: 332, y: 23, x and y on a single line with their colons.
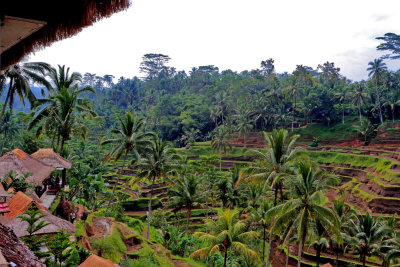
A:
x: 206, y: 168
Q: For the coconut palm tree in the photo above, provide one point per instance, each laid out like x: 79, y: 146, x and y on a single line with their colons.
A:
x: 129, y: 138
x: 186, y: 193
x: 61, y: 78
x: 226, y: 234
x: 345, y: 215
x: 274, y: 165
x: 306, y: 207
x: 18, y: 77
x: 366, y: 234
x: 220, y: 143
x: 158, y: 161
x: 359, y: 97
x: 243, y: 126
x: 260, y: 216
x: 63, y: 111
x: 376, y: 69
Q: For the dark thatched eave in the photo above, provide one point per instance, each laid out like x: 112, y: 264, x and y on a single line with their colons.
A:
x: 63, y: 19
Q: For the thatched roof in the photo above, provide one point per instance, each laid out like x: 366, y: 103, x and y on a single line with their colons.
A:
x: 96, y: 261
x: 14, y: 250
x: 20, y: 162
x: 55, y: 225
x: 19, y: 204
x: 57, y: 20
x: 51, y: 158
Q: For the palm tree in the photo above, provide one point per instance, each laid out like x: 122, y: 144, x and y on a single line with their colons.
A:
x: 19, y: 77
x: 186, y: 193
x: 274, y: 165
x: 341, y: 96
x: 228, y: 233
x: 8, y: 128
x: 130, y: 138
x: 61, y: 78
x: 345, y: 215
x: 366, y: 235
x: 63, y: 111
x: 243, y: 126
x: 158, y: 161
x: 220, y: 142
x: 319, y: 239
x: 260, y: 216
x: 359, y: 98
x: 376, y: 69
x: 305, y: 208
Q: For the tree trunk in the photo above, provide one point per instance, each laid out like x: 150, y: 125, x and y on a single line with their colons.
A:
x: 5, y: 102
x: 378, y: 100
x: 226, y: 256
x: 337, y: 255
x: 244, y: 139
x: 302, y: 240
x: 62, y: 145
x: 220, y: 160
x: 263, y: 251
x: 281, y: 191
x: 149, y: 211
x: 269, y: 249
x: 342, y: 113
x: 115, y: 185
x: 359, y: 112
x: 318, y: 255
x: 287, y: 255
x: 364, y: 258
x: 188, y: 215
x: 393, y: 114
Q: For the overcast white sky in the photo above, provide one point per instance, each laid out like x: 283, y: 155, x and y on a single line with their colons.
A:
x: 232, y: 34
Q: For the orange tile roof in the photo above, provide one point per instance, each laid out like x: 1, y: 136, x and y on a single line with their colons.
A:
x: 19, y: 203
x: 96, y: 261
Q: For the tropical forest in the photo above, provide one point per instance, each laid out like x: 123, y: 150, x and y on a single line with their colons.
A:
x: 206, y: 167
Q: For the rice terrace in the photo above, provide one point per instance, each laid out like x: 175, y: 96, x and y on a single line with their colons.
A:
x: 212, y: 133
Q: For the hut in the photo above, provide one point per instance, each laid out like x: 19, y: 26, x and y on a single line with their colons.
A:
x: 18, y: 204
x: 22, y: 163
x: 96, y: 261
x: 53, y: 159
x: 28, y: 26
x: 13, y: 250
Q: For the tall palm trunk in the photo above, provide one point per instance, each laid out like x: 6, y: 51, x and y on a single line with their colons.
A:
x: 220, y: 159
x: 342, y: 113
x: 302, y: 240
x: 287, y: 256
x: 378, y: 100
x: 188, y: 215
x: 118, y: 179
x: 269, y: 249
x: 359, y: 113
x: 149, y: 210
x: 263, y: 251
x: 7, y: 98
x: 318, y: 255
x: 225, y: 257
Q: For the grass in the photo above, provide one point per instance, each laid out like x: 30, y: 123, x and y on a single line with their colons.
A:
x: 112, y: 247
x: 381, y: 165
x: 335, y: 132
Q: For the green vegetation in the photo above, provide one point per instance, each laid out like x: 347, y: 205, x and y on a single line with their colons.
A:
x: 210, y: 152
